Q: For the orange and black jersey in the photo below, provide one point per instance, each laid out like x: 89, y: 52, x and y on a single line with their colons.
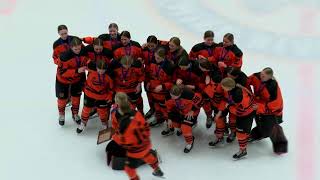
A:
x: 126, y: 80
x: 188, y: 101
x: 105, y: 55
x: 215, y: 74
x: 108, y: 42
x: 175, y: 56
x: 160, y: 74
x: 215, y: 77
x: 240, y: 101
x: 60, y: 46
x: 133, y: 49
x: 204, y: 50
x: 69, y: 63
x: 98, y: 86
x: 148, y: 55
x: 242, y: 79
x: 267, y: 95
x: 215, y: 93
x: 192, y: 76
x: 147, y: 58
x: 231, y: 56
x: 132, y: 132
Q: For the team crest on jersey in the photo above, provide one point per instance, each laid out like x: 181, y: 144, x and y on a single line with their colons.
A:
x: 281, y: 28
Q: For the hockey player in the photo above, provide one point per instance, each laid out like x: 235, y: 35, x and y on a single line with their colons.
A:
x: 240, y: 102
x: 229, y: 55
x: 62, y: 44
x: 176, y: 51
x: 148, y: 57
x: 110, y: 40
x: 128, y: 74
x: 133, y: 134
x: 128, y: 47
x: 97, y: 51
x: 188, y: 74
x: 211, y: 98
x: 71, y: 72
x: 241, y: 79
x: 205, y: 49
x: 98, y: 93
x: 183, y: 109
x: 160, y: 74
x: 269, y: 100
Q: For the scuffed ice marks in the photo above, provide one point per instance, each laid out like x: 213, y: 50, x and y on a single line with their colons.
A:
x: 196, y: 17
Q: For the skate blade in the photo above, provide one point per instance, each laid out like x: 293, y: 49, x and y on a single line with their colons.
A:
x: 158, y: 177
x: 167, y: 135
x: 244, y: 157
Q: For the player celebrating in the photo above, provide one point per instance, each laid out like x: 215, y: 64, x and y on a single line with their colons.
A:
x: 128, y: 74
x: 188, y: 74
x: 205, y: 49
x: 210, y: 89
x: 62, y: 44
x: 229, y: 55
x: 71, y: 72
x: 133, y: 134
x: 160, y: 75
x: 183, y: 109
x: 128, y: 47
x: 176, y: 51
x: 110, y: 40
x: 269, y: 101
x: 148, y: 57
x: 97, y: 94
x: 97, y: 51
x: 240, y: 102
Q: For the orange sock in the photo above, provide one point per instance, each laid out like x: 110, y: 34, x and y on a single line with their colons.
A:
x: 187, y: 133
x: 75, y: 104
x: 220, y: 127
x: 62, y: 106
x: 85, y: 114
x: 242, y: 139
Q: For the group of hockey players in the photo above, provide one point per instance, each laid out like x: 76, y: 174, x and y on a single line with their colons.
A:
x: 112, y: 70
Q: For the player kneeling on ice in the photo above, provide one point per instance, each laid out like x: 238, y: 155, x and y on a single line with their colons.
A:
x: 269, y: 100
x: 240, y: 102
x: 97, y: 94
x: 132, y: 133
x: 183, y: 109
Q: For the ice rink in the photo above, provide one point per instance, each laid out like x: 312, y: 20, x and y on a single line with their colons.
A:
x: 282, y: 34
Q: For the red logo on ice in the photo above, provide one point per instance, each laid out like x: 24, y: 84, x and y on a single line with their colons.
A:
x: 7, y: 6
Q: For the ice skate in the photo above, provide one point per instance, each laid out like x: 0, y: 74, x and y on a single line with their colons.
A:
x: 76, y: 118
x: 239, y: 155
x: 209, y: 122
x: 189, y: 147
x: 61, y: 120
x: 231, y: 137
x: 81, y: 128
x: 217, y: 142
x: 149, y: 113
x: 167, y: 131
